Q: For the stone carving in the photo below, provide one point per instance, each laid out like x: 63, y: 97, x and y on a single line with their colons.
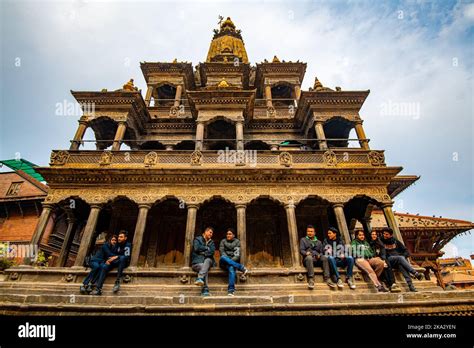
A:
x: 196, y: 158
x: 330, y: 158
x: 106, y: 158
x: 285, y: 159
x: 376, y: 158
x: 174, y: 111
x: 69, y: 278
x: 59, y: 158
x: 270, y: 111
x: 151, y: 159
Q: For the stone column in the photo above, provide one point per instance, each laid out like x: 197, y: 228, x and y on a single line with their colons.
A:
x: 242, y: 231
x: 341, y: 222
x: 149, y: 93
x: 318, y: 127
x: 391, y: 222
x: 364, y: 143
x: 199, y: 135
x: 177, y: 97
x: 190, y: 231
x: 297, y: 92
x: 239, y: 131
x: 139, y: 231
x: 122, y: 127
x: 365, y: 222
x: 293, y: 231
x: 68, y: 238
x: 268, y: 96
x: 87, y: 235
x: 81, y: 130
x: 42, y: 223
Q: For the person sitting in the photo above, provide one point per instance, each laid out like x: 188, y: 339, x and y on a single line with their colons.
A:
x: 397, y: 255
x: 334, y: 250
x: 387, y: 275
x: 121, y: 260
x: 366, y: 260
x: 229, y: 249
x: 103, y: 254
x: 312, y: 251
x: 203, y: 258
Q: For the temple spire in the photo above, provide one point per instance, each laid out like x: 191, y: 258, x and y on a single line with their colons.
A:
x: 227, y: 44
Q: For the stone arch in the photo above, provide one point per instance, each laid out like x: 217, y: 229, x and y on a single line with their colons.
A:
x: 220, y: 134
x: 314, y: 210
x: 104, y: 128
x: 338, y: 127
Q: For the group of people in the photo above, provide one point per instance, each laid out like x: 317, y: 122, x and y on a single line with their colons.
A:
x: 377, y: 257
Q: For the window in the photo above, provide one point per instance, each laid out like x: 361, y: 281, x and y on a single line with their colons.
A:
x: 14, y: 188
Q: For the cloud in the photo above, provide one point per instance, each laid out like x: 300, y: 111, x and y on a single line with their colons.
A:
x: 450, y: 250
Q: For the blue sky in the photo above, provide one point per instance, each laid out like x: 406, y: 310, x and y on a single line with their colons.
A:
x: 415, y: 53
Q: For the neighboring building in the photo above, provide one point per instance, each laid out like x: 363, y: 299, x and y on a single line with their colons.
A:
x: 457, y: 272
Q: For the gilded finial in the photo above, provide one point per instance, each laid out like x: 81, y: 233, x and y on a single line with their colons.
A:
x: 129, y: 86
x: 275, y: 59
x: 317, y: 84
x: 223, y: 84
x: 175, y: 61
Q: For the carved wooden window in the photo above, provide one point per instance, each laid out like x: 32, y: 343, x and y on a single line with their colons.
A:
x: 14, y: 188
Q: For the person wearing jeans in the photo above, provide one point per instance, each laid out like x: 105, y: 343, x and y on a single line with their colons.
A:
x: 229, y: 249
x: 334, y: 250
x: 203, y: 258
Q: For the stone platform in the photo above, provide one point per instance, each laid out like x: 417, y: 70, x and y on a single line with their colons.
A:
x: 55, y: 291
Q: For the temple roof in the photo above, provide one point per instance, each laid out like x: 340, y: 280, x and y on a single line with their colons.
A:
x: 227, y: 44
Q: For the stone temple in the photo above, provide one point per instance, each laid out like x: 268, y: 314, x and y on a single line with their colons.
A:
x: 222, y: 144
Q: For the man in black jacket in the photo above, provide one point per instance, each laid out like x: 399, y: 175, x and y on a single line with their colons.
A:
x: 203, y: 258
x: 397, y: 255
x: 312, y: 251
x: 229, y: 249
x: 121, y: 260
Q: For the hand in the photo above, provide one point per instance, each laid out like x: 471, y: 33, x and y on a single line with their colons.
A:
x: 385, y: 265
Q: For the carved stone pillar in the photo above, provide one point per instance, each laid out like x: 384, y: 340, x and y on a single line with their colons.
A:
x: 139, y: 231
x: 341, y: 222
x: 391, y: 222
x: 293, y: 231
x: 239, y: 131
x: 268, y: 96
x: 122, y: 127
x: 190, y: 231
x: 318, y: 127
x: 87, y: 235
x: 42, y: 223
x: 68, y: 238
x: 297, y: 92
x: 199, y: 135
x: 365, y: 222
x: 81, y: 130
x: 149, y: 93
x: 242, y: 231
x: 177, y: 97
x: 364, y: 143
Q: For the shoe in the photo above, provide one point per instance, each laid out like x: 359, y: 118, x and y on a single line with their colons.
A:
x: 330, y: 283
x: 83, y: 290
x: 340, y: 284
x: 395, y: 288
x: 97, y: 292
x: 350, y: 282
x: 311, y: 284
x: 418, y: 276
x: 199, y: 282
x: 229, y: 293
x: 380, y: 288
x: 245, y: 271
x: 205, y: 293
x: 89, y: 289
x: 116, y: 287
x: 412, y: 288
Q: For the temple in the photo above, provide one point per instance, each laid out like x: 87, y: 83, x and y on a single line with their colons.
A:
x: 225, y: 144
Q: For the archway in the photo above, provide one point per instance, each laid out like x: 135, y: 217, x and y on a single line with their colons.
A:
x: 220, y: 134
x: 337, y: 128
x: 314, y: 211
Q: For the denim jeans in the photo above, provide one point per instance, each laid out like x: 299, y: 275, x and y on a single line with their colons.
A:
x: 335, y: 262
x: 121, y: 263
x: 203, y: 270
x: 226, y: 263
x: 95, y: 270
x: 403, y: 265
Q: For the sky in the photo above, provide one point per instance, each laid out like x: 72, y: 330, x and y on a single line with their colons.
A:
x: 416, y: 57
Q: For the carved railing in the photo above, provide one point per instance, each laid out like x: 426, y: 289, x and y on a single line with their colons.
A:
x: 336, y: 158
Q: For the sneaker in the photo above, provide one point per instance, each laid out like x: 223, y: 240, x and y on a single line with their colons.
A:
x: 97, y: 292
x: 340, y: 284
x: 311, y: 284
x: 245, y: 271
x: 380, y: 288
x: 350, y: 282
x: 330, y: 283
x: 89, y: 289
x: 205, y: 293
x: 418, y: 276
x: 395, y: 288
x: 116, y: 287
x: 83, y: 290
x: 412, y: 288
x: 229, y: 293
x: 199, y: 282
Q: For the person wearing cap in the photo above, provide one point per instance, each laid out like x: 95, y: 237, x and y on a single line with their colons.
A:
x: 229, y: 249
x: 312, y: 251
x: 334, y: 250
